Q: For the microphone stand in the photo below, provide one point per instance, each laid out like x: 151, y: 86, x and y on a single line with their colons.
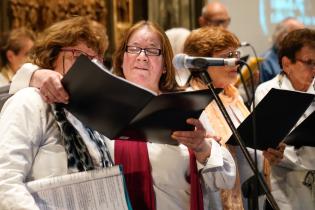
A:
x: 207, y: 80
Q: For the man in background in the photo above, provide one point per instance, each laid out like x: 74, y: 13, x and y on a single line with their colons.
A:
x: 270, y: 66
x: 214, y: 14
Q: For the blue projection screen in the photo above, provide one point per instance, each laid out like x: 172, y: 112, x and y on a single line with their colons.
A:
x: 254, y: 20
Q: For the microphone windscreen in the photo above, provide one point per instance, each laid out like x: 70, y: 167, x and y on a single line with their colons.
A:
x: 179, y: 61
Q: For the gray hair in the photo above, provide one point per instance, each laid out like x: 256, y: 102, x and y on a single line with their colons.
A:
x: 282, y: 29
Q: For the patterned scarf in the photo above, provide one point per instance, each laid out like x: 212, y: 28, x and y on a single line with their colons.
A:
x: 309, y: 182
x: 79, y: 156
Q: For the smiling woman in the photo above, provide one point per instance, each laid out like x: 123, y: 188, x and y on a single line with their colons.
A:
x: 146, y: 34
x: 144, y: 57
x: 144, y: 68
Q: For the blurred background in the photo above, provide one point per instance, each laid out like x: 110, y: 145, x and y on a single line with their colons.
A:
x: 252, y: 21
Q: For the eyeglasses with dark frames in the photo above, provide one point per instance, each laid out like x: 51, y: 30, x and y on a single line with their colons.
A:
x: 76, y: 53
x: 147, y: 51
x: 309, y: 63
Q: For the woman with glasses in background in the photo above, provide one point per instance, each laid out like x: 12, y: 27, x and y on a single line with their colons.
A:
x: 293, y: 169
x: 158, y: 176
x: 220, y: 43
x: 33, y: 139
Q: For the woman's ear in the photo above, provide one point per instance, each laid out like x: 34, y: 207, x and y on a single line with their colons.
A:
x: 202, y: 21
x: 286, y: 64
x: 164, y: 70
x: 10, y: 56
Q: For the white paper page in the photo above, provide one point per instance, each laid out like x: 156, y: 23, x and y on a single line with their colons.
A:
x: 97, y: 189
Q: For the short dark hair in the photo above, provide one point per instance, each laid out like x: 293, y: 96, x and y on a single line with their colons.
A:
x: 294, y: 42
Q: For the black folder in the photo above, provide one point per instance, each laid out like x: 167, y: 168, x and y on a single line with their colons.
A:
x: 303, y: 134
x: 275, y: 116
x: 115, y: 106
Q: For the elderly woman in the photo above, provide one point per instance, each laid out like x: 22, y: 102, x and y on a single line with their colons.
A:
x: 33, y: 144
x: 292, y: 171
x: 158, y: 176
x: 218, y: 42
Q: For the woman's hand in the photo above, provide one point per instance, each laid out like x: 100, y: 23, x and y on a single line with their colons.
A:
x: 196, y: 140
x: 49, y: 84
x: 274, y: 156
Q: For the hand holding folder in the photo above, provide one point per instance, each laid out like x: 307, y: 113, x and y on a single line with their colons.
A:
x: 113, y: 105
x: 275, y: 116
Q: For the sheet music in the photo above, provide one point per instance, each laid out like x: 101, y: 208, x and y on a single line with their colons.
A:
x: 114, y: 106
x: 98, y: 189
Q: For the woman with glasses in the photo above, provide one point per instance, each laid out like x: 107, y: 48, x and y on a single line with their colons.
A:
x: 33, y: 139
x: 220, y: 43
x: 293, y: 169
x: 158, y: 176
x: 145, y: 57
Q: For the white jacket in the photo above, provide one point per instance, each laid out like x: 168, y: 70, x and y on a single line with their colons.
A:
x: 31, y: 149
x: 288, y: 176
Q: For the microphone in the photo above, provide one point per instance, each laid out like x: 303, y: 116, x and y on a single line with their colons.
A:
x: 184, y: 61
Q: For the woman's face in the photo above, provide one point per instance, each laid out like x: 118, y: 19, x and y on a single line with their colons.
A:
x: 223, y: 76
x: 143, y: 61
x: 17, y: 60
x: 301, y: 72
x: 68, y: 56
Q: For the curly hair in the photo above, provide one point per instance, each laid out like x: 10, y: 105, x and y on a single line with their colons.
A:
x: 206, y: 41
x: 67, y: 33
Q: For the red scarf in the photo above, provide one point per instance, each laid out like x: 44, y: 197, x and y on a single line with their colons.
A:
x: 133, y: 156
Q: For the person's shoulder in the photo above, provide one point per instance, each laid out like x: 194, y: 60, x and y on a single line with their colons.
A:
x: 29, y: 95
x: 3, y: 79
x: 266, y: 86
x: 269, y: 52
x: 266, y: 53
x: 26, y: 101
x: 29, y: 66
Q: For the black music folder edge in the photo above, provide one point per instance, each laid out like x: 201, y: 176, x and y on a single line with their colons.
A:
x: 303, y: 134
x: 113, y: 106
x: 275, y: 116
